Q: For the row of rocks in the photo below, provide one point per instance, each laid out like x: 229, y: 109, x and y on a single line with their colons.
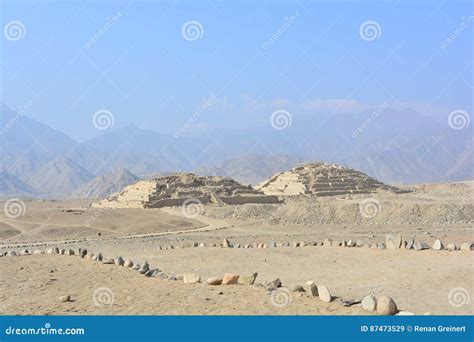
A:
x: 392, y: 242
x: 384, y: 305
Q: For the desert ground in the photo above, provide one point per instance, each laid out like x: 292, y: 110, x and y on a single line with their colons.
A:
x: 420, y: 281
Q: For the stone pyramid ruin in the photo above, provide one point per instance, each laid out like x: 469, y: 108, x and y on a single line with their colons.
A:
x: 176, y: 188
x: 322, y: 179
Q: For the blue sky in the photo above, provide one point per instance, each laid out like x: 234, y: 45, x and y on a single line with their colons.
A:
x: 141, y: 69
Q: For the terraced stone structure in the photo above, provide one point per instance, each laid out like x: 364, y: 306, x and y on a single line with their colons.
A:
x: 177, y: 188
x: 322, y: 179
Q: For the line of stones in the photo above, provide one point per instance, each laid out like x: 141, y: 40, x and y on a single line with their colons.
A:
x: 384, y: 305
x: 391, y: 242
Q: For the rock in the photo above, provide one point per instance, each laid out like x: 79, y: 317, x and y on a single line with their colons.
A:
x: 214, y: 281
x: 90, y: 256
x: 136, y: 267
x: 62, y: 251
x: 247, y: 246
x: 179, y: 277
x: 109, y: 261
x: 248, y: 280
x: 237, y: 245
x: 191, y: 278
x: 386, y: 306
x: 195, y: 244
x: 466, y: 246
x: 350, y: 243
x: 99, y: 257
x: 324, y: 294
x: 152, y: 273
x: 405, y: 313
x: 161, y: 275
x: 285, y: 244
x: 451, y: 247
x: 55, y: 250
x: 393, y: 241
x: 11, y: 254
x: 272, y: 244
x: 296, y: 244
x: 83, y: 253
x: 69, y: 252
x: 226, y: 243
x: 369, y: 303
x: 37, y: 252
x: 409, y: 243
x: 128, y: 263
x: 381, y: 245
x: 144, y: 268
x: 24, y: 252
x: 66, y: 298
x: 438, y: 245
x: 119, y: 261
x: 230, y: 279
x: 297, y: 288
x: 274, y: 284
x: 311, y: 288
x: 421, y: 246
x: 202, y: 244
x: 336, y: 244
x: 50, y: 251
x: 327, y: 243
x: 373, y: 246
x: 359, y: 243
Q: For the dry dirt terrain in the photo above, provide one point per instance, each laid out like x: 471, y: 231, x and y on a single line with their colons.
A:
x: 419, y: 281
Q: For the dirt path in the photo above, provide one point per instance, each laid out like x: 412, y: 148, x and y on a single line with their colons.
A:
x: 210, y: 224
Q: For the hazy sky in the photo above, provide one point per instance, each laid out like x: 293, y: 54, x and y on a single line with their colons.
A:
x: 248, y: 59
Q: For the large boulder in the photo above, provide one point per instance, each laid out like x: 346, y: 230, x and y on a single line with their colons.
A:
x: 248, y: 279
x: 386, y: 306
x: 324, y: 294
x: 230, y: 279
x: 438, y: 245
x: 393, y: 241
x: 191, y: 278
x: 369, y: 303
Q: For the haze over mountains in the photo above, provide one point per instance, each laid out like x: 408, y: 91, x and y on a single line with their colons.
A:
x: 395, y: 146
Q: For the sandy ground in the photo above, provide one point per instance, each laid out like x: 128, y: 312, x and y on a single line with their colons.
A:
x: 98, y: 289
x: 419, y: 281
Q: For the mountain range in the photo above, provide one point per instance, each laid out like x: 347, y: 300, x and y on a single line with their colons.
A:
x: 400, y: 146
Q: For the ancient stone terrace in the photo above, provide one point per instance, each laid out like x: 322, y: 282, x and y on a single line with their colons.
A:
x: 322, y: 179
x: 177, y: 188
